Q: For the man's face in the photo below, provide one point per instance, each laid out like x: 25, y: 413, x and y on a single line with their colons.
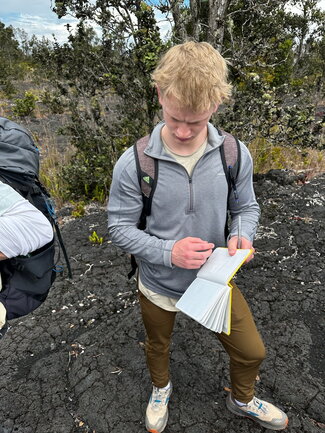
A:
x: 183, y: 125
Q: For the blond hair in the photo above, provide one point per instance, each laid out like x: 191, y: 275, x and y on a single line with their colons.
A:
x: 195, y: 74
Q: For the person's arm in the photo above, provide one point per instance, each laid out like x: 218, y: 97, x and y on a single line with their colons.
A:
x: 246, y: 207
x: 23, y: 229
x: 124, y: 210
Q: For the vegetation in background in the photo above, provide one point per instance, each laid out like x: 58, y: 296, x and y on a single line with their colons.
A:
x: 101, y: 82
x: 10, y: 59
x: 25, y: 106
x: 52, y: 166
x: 105, y: 86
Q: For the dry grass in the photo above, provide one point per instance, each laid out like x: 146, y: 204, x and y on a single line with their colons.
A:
x: 55, y: 150
x: 267, y: 156
x: 51, y: 170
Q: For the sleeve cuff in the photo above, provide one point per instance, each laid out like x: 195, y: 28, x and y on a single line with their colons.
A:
x: 168, y: 253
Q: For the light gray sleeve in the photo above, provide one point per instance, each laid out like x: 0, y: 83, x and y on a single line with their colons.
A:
x: 247, y: 206
x: 124, y: 210
x: 23, y: 229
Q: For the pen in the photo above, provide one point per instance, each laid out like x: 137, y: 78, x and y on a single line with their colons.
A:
x: 239, y: 232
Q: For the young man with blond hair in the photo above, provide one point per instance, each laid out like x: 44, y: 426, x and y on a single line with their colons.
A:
x: 187, y: 221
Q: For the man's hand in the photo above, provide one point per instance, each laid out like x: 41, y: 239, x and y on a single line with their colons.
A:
x: 2, y: 256
x: 191, y: 253
x: 245, y: 244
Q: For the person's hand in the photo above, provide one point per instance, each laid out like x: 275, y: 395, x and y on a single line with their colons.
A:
x: 191, y: 253
x: 245, y: 244
x: 3, y: 257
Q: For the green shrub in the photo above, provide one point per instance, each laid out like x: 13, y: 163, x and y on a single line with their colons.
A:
x: 53, y: 101
x: 8, y: 88
x: 25, y: 106
x: 79, y: 209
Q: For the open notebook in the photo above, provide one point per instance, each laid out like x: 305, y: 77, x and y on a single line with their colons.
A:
x: 208, y: 299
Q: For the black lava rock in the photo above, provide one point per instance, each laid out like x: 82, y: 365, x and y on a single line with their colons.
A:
x: 77, y: 363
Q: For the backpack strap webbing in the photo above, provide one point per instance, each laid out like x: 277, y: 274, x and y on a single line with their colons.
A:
x: 231, y: 159
x: 147, y: 169
x: 65, y: 254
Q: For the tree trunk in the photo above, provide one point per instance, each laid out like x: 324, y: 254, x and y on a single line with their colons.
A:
x: 208, y: 25
x: 180, y: 32
x: 195, y: 19
x: 216, y: 23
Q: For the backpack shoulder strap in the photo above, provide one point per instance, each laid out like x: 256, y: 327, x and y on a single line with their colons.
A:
x: 147, y: 168
x: 231, y: 159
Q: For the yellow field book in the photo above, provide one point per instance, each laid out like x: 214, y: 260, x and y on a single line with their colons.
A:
x: 208, y: 299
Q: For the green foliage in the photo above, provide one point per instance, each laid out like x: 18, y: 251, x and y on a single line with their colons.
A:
x: 12, y: 59
x: 282, y: 115
x: 54, y: 101
x: 98, y: 147
x: 25, y: 106
x: 99, y: 194
x: 95, y: 239
x: 8, y: 88
x: 84, y: 176
x: 276, y: 61
x: 105, y: 84
x: 79, y: 209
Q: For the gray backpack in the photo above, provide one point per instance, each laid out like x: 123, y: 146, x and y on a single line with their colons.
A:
x: 27, y: 278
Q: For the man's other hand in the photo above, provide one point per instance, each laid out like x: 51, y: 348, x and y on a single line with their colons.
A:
x: 191, y: 253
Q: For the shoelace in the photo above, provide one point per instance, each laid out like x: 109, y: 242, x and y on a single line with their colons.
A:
x: 158, y: 397
x: 259, y: 405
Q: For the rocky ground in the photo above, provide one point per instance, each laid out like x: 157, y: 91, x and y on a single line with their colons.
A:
x: 77, y: 364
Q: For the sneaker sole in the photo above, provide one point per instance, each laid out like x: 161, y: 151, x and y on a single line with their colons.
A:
x: 152, y: 430
x: 262, y: 423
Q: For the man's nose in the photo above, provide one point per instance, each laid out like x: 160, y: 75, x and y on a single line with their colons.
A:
x: 183, y: 131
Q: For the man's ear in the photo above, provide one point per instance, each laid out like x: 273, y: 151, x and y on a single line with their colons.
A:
x: 159, y: 95
x: 215, y: 108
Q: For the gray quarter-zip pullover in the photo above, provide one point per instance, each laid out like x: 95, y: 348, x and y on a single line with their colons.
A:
x: 182, y: 206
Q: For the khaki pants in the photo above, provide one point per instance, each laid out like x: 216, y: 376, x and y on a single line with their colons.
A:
x: 244, y: 345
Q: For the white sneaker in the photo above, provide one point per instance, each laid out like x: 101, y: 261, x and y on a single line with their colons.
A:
x: 157, y: 409
x: 264, y: 413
